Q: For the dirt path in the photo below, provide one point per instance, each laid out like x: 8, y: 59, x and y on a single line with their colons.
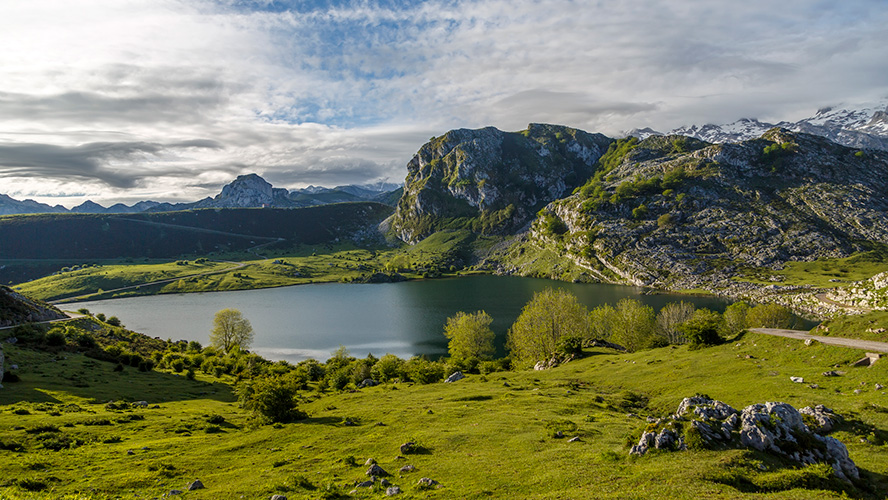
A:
x: 71, y: 315
x: 867, y: 345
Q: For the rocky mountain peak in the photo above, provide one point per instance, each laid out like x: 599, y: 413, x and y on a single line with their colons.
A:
x: 249, y: 190
x: 492, y: 181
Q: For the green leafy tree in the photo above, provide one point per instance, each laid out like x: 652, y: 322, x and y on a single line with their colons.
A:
x: 230, y: 330
x: 601, y: 322
x: 634, y: 325
x: 770, y: 316
x: 703, y: 329
x: 271, y: 398
x: 735, y: 317
x: 471, y: 339
x: 549, y: 316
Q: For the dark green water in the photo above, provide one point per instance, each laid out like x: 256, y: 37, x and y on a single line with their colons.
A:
x: 404, y: 319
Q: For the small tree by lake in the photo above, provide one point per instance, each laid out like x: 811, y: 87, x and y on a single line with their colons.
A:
x: 230, y: 330
x: 471, y: 339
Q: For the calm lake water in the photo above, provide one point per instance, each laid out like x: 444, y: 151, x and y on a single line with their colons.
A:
x: 405, y: 319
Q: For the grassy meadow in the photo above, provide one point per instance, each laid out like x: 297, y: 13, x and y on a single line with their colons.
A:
x: 487, y: 436
x: 442, y: 254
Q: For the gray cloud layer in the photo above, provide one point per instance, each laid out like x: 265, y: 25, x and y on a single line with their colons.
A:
x: 125, y: 99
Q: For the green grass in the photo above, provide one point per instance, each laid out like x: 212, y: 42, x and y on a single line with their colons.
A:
x: 821, y: 273
x: 857, y: 326
x: 482, y: 437
x: 107, y: 277
x: 444, y: 253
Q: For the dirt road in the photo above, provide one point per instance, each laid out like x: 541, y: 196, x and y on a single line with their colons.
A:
x: 867, y: 345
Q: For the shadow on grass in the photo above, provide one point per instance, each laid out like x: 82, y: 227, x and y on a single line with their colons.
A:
x: 51, y: 378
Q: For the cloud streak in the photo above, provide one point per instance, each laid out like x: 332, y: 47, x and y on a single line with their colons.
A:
x: 166, y: 98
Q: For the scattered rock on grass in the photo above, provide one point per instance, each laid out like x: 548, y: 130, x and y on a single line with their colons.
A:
x: 408, y: 447
x: 392, y: 491
x: 196, y: 485
x: 278, y: 497
x: 455, y: 376
x: 797, y: 380
x: 376, y: 470
x: 407, y: 468
x: 427, y: 483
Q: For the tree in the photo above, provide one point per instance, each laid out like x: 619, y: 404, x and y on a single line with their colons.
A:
x: 703, y: 329
x: 230, y: 330
x: 550, y: 316
x: 634, y: 325
x: 770, y: 316
x: 670, y: 317
x: 471, y: 339
x: 735, y: 317
x: 601, y: 322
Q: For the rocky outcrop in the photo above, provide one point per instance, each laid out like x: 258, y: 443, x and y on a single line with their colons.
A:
x: 871, y: 294
x: 676, y: 214
x: 492, y: 181
x: 16, y: 309
x: 775, y: 428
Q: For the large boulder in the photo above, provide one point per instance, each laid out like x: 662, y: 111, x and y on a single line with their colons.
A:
x: 772, y: 427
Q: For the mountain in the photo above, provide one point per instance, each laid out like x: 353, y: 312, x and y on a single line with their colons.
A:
x: 246, y: 191
x: 9, y: 206
x: 863, y: 126
x: 670, y: 212
x: 491, y: 181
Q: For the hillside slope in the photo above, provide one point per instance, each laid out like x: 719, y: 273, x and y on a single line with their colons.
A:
x: 170, y: 234
x: 673, y: 212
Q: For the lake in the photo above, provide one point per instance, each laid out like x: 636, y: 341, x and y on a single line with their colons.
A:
x: 406, y: 319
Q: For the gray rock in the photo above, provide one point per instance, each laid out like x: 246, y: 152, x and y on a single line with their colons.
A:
x: 364, y: 484
x: 370, y: 461
x: 407, y: 468
x: 175, y: 492
x: 574, y: 439
x: 455, y: 376
x: 376, y: 470
x: 427, y: 482
x: 797, y: 380
x: 822, y: 420
x: 408, y: 447
x: 368, y: 382
x: 392, y: 491
x: 831, y: 373
x: 278, y: 497
x: 385, y: 483
x: 196, y: 485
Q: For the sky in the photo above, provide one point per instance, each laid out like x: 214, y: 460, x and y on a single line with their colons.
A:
x: 167, y: 100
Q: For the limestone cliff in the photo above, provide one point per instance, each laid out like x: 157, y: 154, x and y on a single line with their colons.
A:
x: 491, y: 181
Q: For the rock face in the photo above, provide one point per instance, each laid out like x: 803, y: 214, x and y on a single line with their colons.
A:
x: 492, y: 181
x: 673, y: 212
x: 16, y: 309
x: 776, y: 428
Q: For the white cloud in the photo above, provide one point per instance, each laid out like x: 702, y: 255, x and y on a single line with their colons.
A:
x: 349, y: 94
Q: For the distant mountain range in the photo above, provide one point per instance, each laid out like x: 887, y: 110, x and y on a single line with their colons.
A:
x: 864, y: 126
x: 247, y: 191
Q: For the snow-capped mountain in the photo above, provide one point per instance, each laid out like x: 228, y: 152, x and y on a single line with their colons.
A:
x: 860, y: 126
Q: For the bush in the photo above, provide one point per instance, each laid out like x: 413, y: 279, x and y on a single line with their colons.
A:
x: 177, y: 365
x: 423, y: 371
x: 569, y: 345
x: 665, y: 220
x: 388, y: 368
x: 273, y: 399
x: 113, y: 321
x: 100, y: 317
x: 55, y: 337
x: 703, y: 329
x: 11, y: 377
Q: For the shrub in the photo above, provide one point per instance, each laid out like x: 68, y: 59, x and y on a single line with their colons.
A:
x: 113, y: 321
x: 770, y: 316
x: 100, y: 317
x: 177, y: 365
x: 703, y: 329
x: 271, y: 398
x: 55, y: 337
x: 423, y: 371
x: 215, y: 419
x: 570, y: 345
x: 666, y: 220
x: 389, y: 367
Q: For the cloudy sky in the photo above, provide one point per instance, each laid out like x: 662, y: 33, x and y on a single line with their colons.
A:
x: 124, y: 100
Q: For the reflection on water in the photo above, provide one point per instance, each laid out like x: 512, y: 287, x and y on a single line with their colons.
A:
x: 405, y: 319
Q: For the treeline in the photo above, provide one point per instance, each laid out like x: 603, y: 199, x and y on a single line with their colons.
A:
x: 552, y: 328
